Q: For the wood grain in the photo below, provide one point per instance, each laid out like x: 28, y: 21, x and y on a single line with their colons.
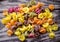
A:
x: 44, y: 38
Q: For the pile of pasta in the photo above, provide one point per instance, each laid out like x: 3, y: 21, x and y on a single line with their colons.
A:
x: 30, y: 20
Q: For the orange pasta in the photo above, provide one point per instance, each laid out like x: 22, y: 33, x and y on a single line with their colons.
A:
x: 12, y: 22
x: 5, y: 12
x: 39, y: 22
x: 42, y: 30
x: 8, y: 25
x: 50, y: 21
x: 9, y: 32
x: 35, y: 19
x: 51, y: 7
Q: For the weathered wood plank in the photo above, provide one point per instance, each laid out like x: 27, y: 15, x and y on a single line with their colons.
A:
x: 14, y: 37
x: 57, y: 7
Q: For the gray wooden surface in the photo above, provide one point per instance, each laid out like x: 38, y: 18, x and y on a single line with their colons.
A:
x: 42, y: 38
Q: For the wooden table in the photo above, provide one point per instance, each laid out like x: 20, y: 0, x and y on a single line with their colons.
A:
x: 43, y: 38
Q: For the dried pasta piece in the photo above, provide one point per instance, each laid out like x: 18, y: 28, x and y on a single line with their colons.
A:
x: 52, y: 35
x: 51, y: 7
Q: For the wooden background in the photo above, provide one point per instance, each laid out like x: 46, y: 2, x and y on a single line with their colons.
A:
x: 43, y: 38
